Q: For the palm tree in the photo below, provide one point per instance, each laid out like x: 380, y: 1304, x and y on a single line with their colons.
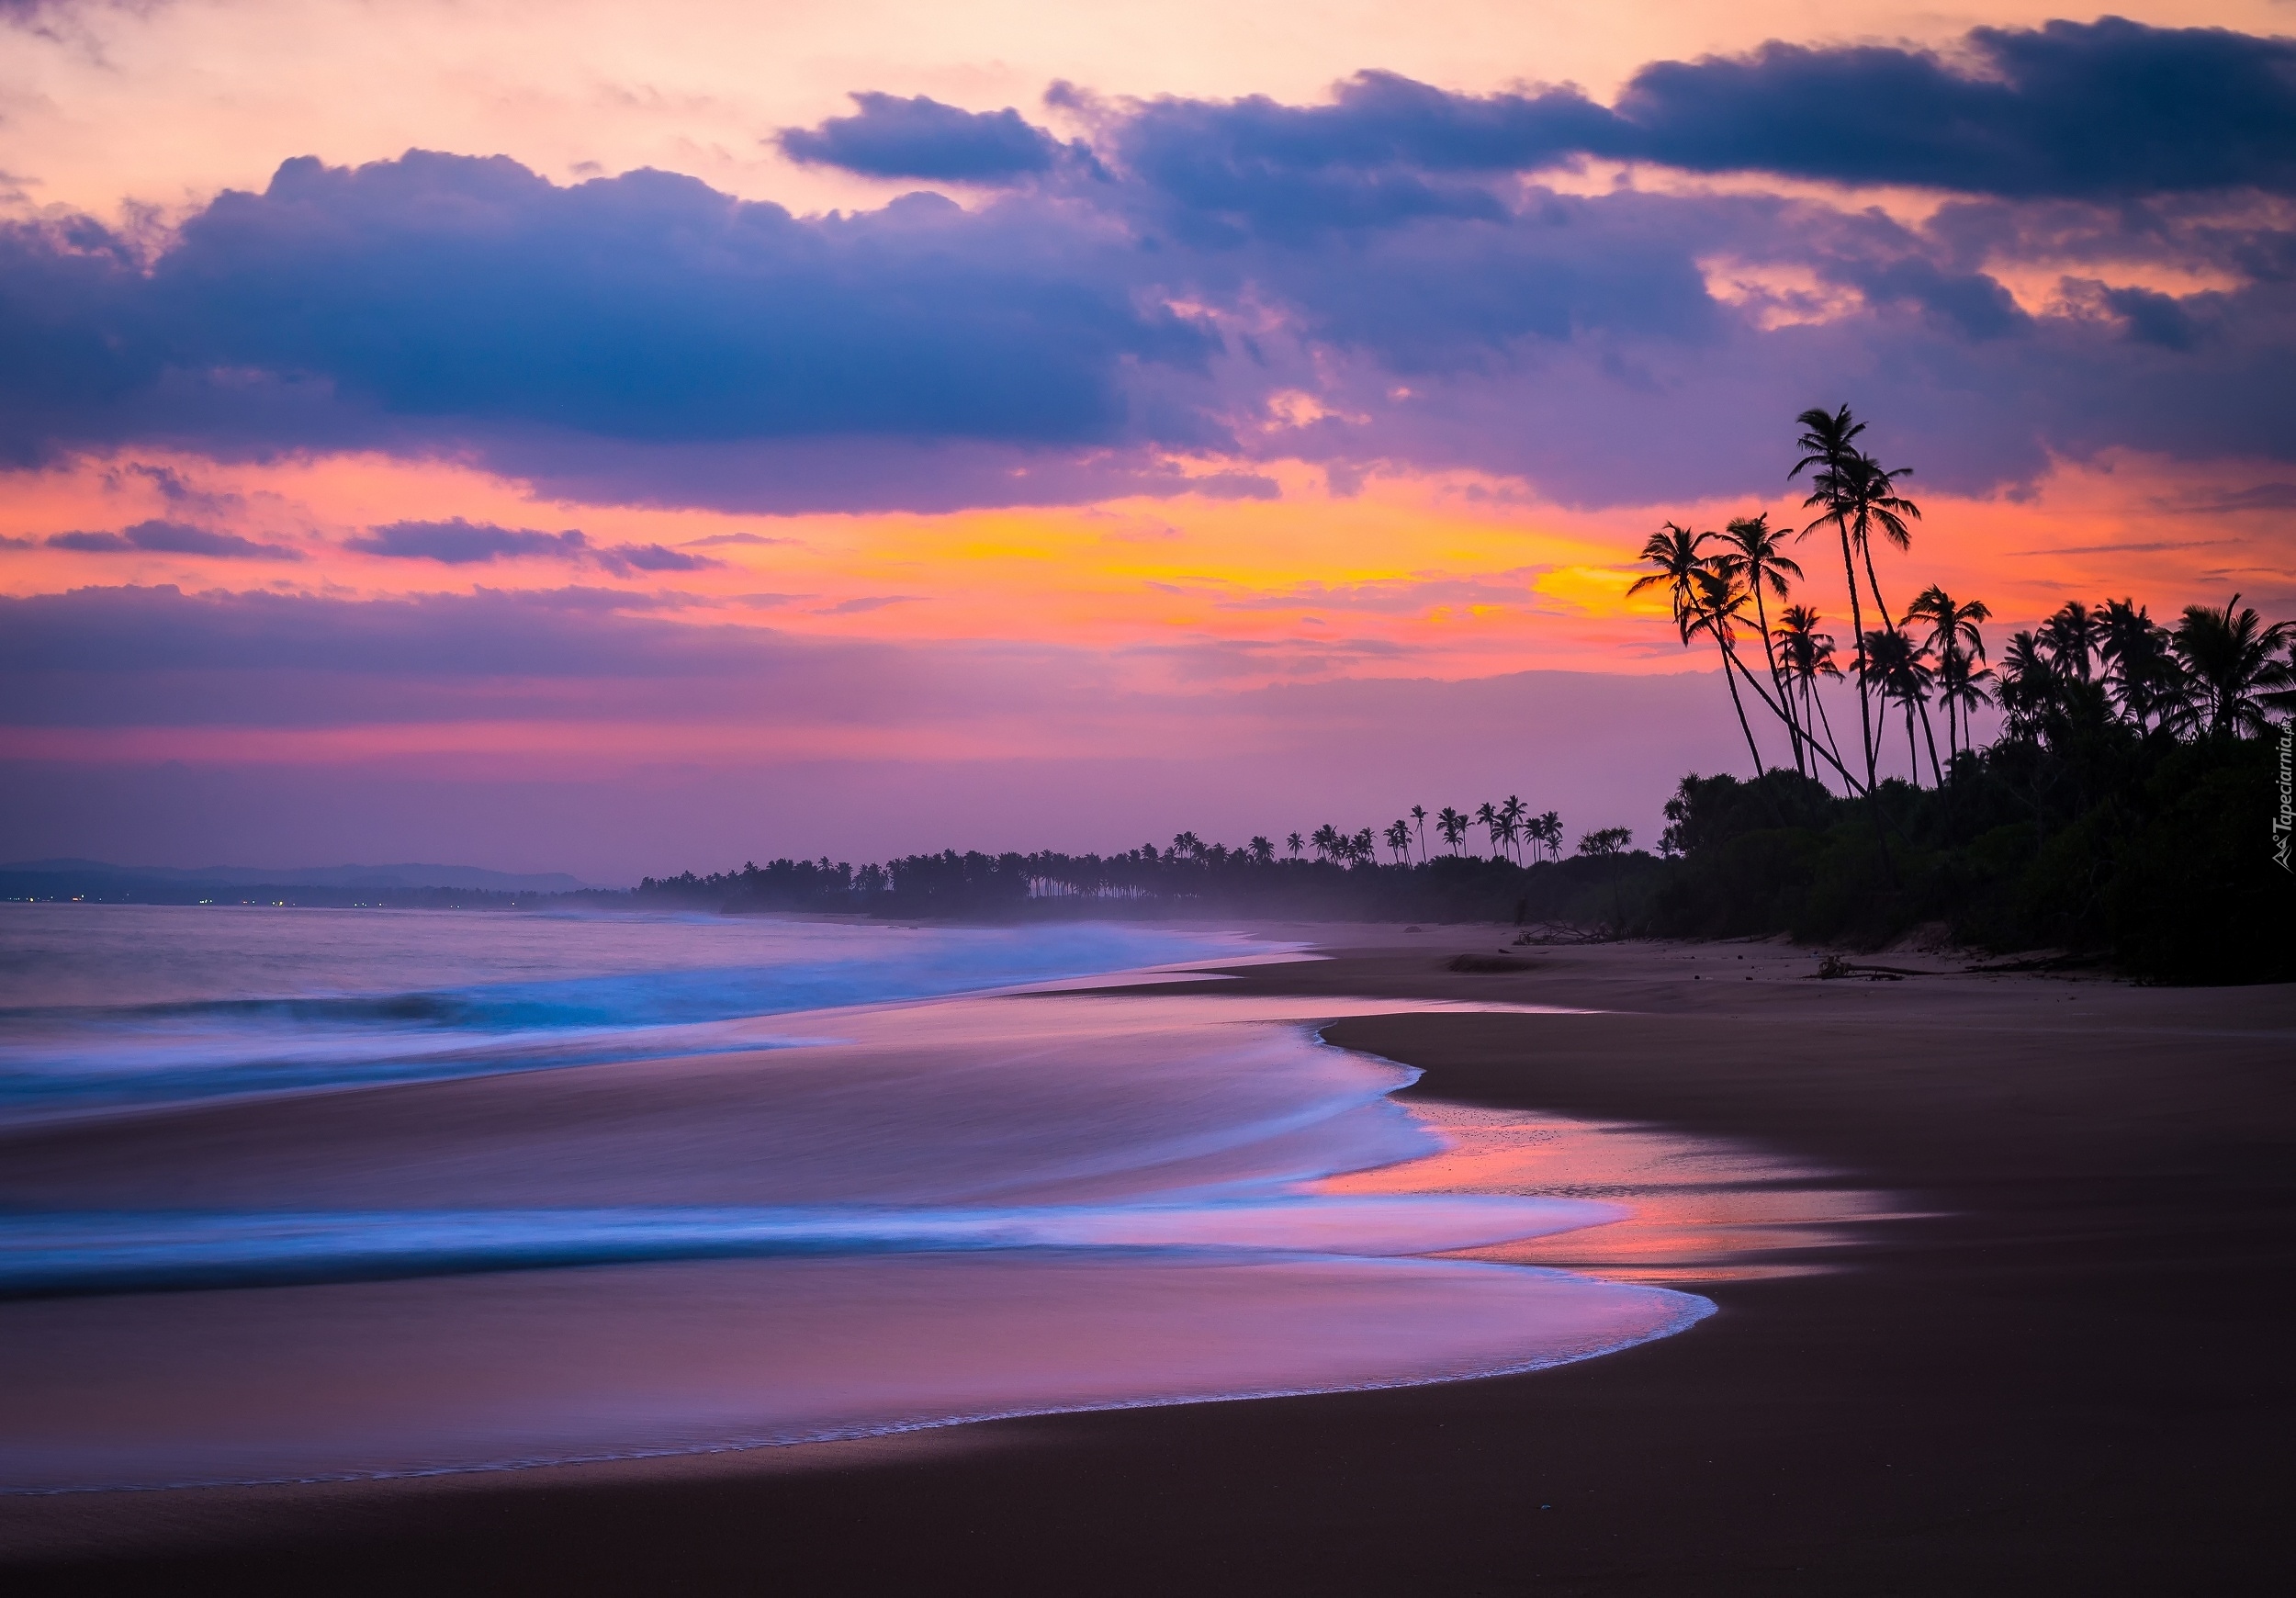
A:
x: 2069, y: 637
x: 2032, y: 692
x: 1547, y: 830
x: 1511, y: 817
x: 1874, y: 505
x: 1755, y: 555
x: 1608, y: 844
x: 1419, y: 819
x: 1674, y: 551
x: 1263, y: 852
x: 1714, y: 605
x: 1398, y: 837
x: 1953, y: 635
x: 2228, y: 655
x: 1326, y: 841
x: 2141, y: 670
x: 1828, y: 443
x: 1962, y: 687
x: 1901, y: 667
x: 1807, y: 655
x: 1359, y: 849
x: 1486, y: 818
x: 1295, y: 844
x: 1452, y: 826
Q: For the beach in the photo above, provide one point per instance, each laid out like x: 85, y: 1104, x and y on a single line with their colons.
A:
x: 2057, y: 1365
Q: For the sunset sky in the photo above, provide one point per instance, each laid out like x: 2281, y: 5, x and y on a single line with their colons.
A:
x: 616, y: 439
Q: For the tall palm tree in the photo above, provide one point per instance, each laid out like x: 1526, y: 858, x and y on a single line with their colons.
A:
x: 1511, y: 817
x: 1829, y: 444
x: 1961, y: 685
x: 1755, y: 554
x: 1715, y: 606
x: 1902, y: 669
x: 1397, y: 838
x: 2070, y: 636
x: 1873, y: 505
x: 2228, y: 654
x: 1674, y: 551
x: 1419, y: 819
x: 1452, y: 826
x: 1954, y: 637
x: 1807, y: 654
x: 1295, y: 843
x: 2032, y: 692
x: 1486, y: 818
x: 2141, y: 670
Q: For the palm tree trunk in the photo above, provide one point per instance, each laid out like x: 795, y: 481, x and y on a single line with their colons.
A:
x: 1731, y: 656
x: 1770, y: 653
x: 1865, y: 722
x: 1740, y: 706
x: 1936, y: 774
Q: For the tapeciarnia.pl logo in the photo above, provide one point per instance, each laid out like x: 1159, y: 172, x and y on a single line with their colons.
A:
x: 2286, y: 819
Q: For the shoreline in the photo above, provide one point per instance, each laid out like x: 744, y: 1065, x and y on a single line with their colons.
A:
x: 2066, y: 1373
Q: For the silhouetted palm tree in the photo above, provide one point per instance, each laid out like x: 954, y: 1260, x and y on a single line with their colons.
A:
x: 2142, y: 672
x: 1608, y: 844
x: 1961, y: 686
x: 1675, y: 552
x: 1452, y: 826
x: 1755, y: 554
x: 1263, y: 852
x: 1550, y: 832
x: 1828, y: 443
x: 1295, y: 844
x: 2032, y: 692
x: 1714, y: 606
x: 2228, y: 656
x: 2069, y: 637
x: 1486, y: 818
x: 1807, y: 654
x: 1398, y: 842
x: 1419, y: 820
x: 1900, y: 667
x: 1511, y: 815
x: 1954, y: 637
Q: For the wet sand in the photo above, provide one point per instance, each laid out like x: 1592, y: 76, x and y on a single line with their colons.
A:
x: 2060, y: 1368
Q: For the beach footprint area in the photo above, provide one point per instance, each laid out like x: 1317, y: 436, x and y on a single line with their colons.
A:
x: 806, y: 1226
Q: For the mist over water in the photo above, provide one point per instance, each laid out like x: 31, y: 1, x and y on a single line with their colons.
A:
x: 549, y: 1190
x: 104, y: 1005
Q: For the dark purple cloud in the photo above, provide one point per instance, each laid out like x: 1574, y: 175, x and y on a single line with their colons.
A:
x: 2087, y: 110
x: 463, y: 542
x: 891, y: 137
x: 646, y: 340
x: 157, y: 537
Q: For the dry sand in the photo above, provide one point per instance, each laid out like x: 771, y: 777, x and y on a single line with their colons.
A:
x: 2070, y: 1375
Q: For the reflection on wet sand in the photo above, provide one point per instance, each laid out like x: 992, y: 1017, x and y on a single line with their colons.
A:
x: 1703, y: 1209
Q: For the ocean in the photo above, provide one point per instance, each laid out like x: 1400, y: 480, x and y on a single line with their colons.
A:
x: 292, y: 1195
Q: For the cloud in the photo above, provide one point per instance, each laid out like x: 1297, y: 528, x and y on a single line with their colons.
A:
x: 891, y: 137
x: 463, y: 542
x: 1114, y: 330
x: 157, y: 537
x: 716, y: 539
x: 855, y: 607
x: 2094, y: 110
x: 2090, y: 110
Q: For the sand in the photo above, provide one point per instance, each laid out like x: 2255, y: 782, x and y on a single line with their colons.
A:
x: 2068, y: 1374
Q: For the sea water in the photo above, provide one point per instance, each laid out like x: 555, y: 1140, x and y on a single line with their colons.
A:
x: 298, y: 1195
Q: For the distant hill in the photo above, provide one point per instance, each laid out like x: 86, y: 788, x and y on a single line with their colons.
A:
x: 67, y: 878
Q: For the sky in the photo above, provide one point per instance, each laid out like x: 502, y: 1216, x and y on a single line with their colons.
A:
x: 620, y: 439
